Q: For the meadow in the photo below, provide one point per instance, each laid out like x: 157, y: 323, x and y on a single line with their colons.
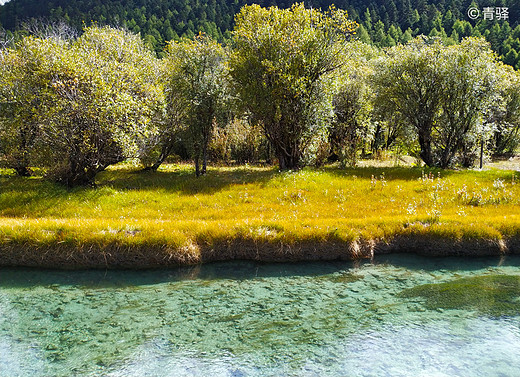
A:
x: 169, y: 217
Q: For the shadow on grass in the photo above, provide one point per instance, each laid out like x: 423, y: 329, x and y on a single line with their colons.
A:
x: 184, y: 180
x: 33, y: 196
x: 35, y: 193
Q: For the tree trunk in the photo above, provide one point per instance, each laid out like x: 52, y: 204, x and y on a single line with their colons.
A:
x: 166, y: 150
x: 288, y: 162
x: 281, y: 161
x: 426, y: 145
x: 160, y: 160
x: 481, y: 152
x: 204, y: 157
x: 445, y: 157
x: 22, y: 161
x: 81, y: 177
x: 78, y: 171
x: 377, y: 140
x: 22, y: 171
x: 288, y: 157
x: 165, y: 153
x: 197, y: 166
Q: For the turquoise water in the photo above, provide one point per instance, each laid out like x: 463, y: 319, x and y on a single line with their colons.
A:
x: 246, y: 319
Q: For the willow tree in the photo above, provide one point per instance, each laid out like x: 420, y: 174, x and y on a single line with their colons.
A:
x: 441, y: 91
x: 408, y: 82
x: 19, y: 103
x: 471, y: 83
x: 352, y: 102
x: 281, y: 68
x: 504, y: 117
x: 88, y: 100
x: 195, y: 85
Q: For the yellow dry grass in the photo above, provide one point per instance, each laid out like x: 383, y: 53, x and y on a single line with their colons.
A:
x: 172, y: 209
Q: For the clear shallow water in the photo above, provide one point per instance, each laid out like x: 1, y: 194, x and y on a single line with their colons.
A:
x: 247, y: 319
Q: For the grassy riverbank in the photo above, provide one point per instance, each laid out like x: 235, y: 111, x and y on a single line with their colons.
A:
x: 145, y: 219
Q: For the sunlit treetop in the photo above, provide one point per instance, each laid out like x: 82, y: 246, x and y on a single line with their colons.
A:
x: 293, y: 23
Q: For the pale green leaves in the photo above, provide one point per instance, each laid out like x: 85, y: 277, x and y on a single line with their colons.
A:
x: 281, y: 67
x: 441, y: 91
x: 85, y: 103
x: 196, y: 90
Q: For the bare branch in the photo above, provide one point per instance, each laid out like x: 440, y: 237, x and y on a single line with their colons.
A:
x: 43, y: 28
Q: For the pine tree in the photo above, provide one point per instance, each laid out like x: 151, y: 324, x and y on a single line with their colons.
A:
x: 387, y: 41
x: 363, y: 35
x: 511, y: 57
x: 379, y: 32
x: 407, y: 36
x: 448, y: 21
x: 368, y: 20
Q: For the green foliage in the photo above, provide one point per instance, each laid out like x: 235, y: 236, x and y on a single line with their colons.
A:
x: 351, y: 125
x: 196, y: 90
x: 281, y: 67
x: 407, y: 84
x: 19, y: 103
x: 160, y: 21
x: 86, y: 103
x: 74, y: 105
x: 503, y: 118
x: 493, y: 295
x: 442, y: 92
x: 471, y: 80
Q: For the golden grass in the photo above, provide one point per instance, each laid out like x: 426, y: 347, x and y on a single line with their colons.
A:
x: 172, y: 210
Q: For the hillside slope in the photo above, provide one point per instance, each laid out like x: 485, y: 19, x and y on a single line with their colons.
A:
x: 384, y: 22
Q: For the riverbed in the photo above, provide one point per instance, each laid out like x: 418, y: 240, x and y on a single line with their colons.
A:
x: 239, y: 319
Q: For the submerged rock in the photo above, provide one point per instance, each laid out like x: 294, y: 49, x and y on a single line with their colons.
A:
x: 492, y: 295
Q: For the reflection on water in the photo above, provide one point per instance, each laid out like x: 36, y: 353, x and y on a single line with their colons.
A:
x: 249, y: 319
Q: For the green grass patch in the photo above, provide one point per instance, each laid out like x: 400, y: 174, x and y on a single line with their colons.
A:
x: 493, y: 295
x: 171, y: 208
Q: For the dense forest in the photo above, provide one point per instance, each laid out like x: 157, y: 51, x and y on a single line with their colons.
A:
x: 383, y: 22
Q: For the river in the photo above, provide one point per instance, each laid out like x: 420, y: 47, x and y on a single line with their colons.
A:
x: 249, y: 319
